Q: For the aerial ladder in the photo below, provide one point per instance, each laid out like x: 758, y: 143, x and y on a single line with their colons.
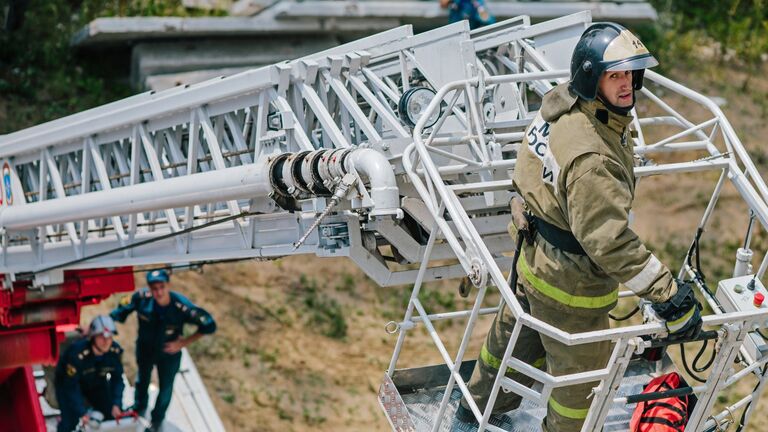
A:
x: 394, y: 150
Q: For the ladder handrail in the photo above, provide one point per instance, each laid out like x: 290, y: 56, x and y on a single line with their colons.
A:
x: 469, y: 248
x: 458, y: 214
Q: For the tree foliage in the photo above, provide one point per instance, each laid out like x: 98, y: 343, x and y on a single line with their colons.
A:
x: 43, y: 78
x: 739, y: 28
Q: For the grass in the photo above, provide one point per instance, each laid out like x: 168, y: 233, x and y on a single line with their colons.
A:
x: 228, y: 398
x: 323, y: 313
x: 268, y: 356
x: 214, y: 347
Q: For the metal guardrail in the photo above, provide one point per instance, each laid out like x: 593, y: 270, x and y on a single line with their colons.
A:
x: 479, y: 264
x: 488, y: 82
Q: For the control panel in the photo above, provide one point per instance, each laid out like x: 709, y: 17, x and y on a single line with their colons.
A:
x: 745, y: 293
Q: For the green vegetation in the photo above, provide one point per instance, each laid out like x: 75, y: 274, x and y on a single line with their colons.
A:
x: 216, y: 348
x: 42, y: 78
x: 323, y: 313
x: 725, y: 31
x: 228, y: 398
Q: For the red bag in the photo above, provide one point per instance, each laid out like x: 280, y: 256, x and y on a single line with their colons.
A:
x: 663, y: 415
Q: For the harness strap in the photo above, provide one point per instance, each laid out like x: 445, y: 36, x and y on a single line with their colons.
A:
x: 668, y: 406
x: 559, y: 238
x: 677, y: 426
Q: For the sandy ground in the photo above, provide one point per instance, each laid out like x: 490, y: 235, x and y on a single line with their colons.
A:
x: 271, y: 366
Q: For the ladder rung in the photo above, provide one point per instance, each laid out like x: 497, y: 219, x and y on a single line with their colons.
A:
x: 482, y: 186
x: 508, y: 124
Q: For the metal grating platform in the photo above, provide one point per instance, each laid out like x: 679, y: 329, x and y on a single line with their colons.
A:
x: 423, y: 401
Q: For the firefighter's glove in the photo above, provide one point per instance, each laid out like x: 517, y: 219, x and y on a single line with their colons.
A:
x: 682, y: 313
x: 520, y: 219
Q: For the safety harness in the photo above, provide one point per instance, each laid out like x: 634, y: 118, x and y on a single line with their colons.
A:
x: 528, y: 226
x: 559, y: 238
x: 663, y: 414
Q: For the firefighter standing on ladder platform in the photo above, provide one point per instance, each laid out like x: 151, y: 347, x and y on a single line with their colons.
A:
x: 575, y: 175
x: 162, y: 314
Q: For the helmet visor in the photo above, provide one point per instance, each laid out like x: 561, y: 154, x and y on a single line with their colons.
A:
x: 633, y: 63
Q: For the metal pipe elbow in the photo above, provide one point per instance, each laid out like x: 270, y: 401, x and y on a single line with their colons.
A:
x: 375, y: 167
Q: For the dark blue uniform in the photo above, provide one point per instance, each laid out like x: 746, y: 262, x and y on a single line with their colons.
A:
x: 158, y: 325
x: 84, y: 379
x: 473, y: 10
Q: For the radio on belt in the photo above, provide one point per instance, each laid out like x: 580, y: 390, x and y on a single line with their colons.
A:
x: 745, y: 293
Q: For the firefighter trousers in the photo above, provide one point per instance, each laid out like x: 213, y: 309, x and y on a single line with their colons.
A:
x: 567, y: 407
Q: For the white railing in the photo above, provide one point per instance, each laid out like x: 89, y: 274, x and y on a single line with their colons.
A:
x: 188, y: 157
x: 429, y: 179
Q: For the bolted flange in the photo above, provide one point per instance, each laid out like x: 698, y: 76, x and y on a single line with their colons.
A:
x: 478, y: 274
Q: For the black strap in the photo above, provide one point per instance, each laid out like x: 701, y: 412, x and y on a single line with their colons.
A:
x: 659, y: 404
x: 559, y: 238
x: 645, y: 397
x: 678, y: 426
x: 513, y: 271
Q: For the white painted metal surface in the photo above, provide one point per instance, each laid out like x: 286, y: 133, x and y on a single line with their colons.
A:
x: 89, y: 182
x: 191, y: 409
x: 738, y: 294
x: 273, y: 145
x: 442, y: 202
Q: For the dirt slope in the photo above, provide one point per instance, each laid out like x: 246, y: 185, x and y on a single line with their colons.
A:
x: 301, y: 342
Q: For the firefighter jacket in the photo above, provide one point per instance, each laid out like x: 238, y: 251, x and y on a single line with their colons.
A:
x: 157, y: 324
x: 575, y: 171
x: 80, y: 372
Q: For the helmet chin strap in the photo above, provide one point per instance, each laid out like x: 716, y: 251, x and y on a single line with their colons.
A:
x: 617, y: 109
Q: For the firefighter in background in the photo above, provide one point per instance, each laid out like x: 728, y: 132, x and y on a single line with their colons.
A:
x: 162, y: 314
x: 475, y: 11
x: 575, y: 176
x: 90, y: 374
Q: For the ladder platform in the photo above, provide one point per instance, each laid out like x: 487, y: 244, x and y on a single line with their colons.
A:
x: 411, y: 400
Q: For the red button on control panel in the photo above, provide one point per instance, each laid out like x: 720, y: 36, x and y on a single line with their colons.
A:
x: 759, y: 298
